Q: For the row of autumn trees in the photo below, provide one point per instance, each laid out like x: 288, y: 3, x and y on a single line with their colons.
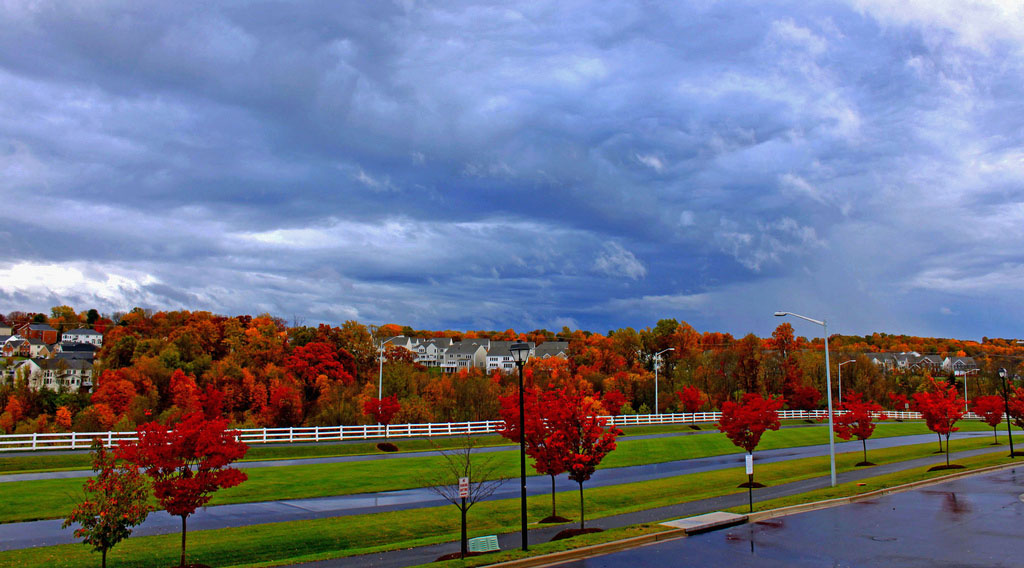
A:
x: 267, y: 373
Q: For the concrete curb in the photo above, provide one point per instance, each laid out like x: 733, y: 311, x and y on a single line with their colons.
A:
x: 673, y: 534
x: 593, y: 550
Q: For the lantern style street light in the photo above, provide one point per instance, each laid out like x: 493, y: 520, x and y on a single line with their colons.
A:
x: 828, y: 386
x: 520, y: 354
x: 657, y: 363
x: 1006, y: 408
x: 840, y: 368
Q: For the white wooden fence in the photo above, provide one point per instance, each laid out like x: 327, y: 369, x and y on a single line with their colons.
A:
x: 83, y: 440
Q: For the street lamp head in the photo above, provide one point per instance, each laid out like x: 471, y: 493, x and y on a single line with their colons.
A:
x: 1002, y: 373
x: 781, y: 314
x: 520, y: 352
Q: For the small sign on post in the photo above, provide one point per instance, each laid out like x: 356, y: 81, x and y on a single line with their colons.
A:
x: 463, y: 487
x: 750, y: 464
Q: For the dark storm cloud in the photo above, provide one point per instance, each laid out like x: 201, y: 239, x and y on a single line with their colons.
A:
x: 501, y: 165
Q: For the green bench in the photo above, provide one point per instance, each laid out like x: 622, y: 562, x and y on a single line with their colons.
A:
x: 487, y: 543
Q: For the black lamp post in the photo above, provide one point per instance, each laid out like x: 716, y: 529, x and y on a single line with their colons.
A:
x: 1006, y: 407
x: 520, y: 354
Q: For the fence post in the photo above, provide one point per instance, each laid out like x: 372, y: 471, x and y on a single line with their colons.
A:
x: 291, y: 434
x: 110, y: 439
x: 34, y: 440
x: 72, y: 440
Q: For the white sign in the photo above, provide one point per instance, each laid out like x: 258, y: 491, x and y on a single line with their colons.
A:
x: 750, y: 464
x: 463, y: 487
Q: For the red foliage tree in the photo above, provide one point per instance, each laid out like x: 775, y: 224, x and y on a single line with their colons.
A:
x: 187, y: 464
x: 114, y: 390
x: 991, y: 409
x: 613, y: 401
x: 579, y: 435
x: 691, y: 399
x: 942, y: 407
x: 115, y: 501
x: 1016, y: 407
x: 745, y: 422
x: 547, y: 459
x: 857, y: 421
x: 382, y: 410
x: 316, y: 366
x: 184, y: 392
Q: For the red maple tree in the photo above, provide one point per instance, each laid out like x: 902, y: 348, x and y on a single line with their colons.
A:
x: 941, y: 408
x: 691, y: 399
x: 547, y: 459
x: 613, y: 401
x: 382, y: 410
x: 579, y: 435
x: 991, y: 409
x: 857, y: 421
x: 187, y: 464
x: 745, y: 422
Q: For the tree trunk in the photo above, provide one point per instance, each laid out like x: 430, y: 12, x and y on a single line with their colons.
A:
x: 865, y: 444
x: 103, y: 562
x: 465, y: 542
x: 940, y: 440
x: 947, y: 450
x: 183, y: 517
x: 554, y: 512
x: 995, y: 437
x: 581, y: 505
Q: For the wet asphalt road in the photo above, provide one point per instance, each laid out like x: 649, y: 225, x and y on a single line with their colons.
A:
x: 973, y: 521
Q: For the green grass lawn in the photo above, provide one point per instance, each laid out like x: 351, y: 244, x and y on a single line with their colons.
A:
x: 52, y: 498
x: 300, y: 541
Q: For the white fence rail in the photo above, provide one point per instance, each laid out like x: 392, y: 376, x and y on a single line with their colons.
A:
x: 83, y: 440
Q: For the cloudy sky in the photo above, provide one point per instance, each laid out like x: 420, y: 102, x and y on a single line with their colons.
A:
x: 493, y: 165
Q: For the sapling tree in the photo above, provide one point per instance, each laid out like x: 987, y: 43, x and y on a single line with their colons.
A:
x: 547, y: 459
x: 580, y: 435
x: 857, y: 421
x: 746, y: 421
x: 941, y: 407
x: 187, y: 464
x: 382, y: 410
x: 459, y: 463
x: 115, y: 501
x: 990, y: 408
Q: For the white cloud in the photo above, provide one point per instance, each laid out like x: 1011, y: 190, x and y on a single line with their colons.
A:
x: 617, y: 261
x: 651, y: 161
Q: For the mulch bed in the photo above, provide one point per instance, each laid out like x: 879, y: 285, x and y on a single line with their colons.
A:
x: 554, y: 519
x: 569, y: 533
x: 455, y: 555
x: 694, y: 427
x: 755, y: 485
x: 944, y: 466
x: 864, y: 464
x: 387, y: 447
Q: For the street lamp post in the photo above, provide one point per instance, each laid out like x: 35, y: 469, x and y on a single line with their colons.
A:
x: 1006, y: 408
x: 520, y: 354
x: 966, y: 373
x: 840, y: 369
x: 380, y: 377
x: 657, y: 363
x: 828, y: 387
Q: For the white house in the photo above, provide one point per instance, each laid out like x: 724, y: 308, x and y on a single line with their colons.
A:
x: 464, y: 355
x: 83, y: 335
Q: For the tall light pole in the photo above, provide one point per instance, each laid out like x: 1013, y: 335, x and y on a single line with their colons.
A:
x: 840, y: 368
x: 828, y: 387
x: 1006, y: 408
x: 965, y: 387
x: 520, y: 354
x: 380, y: 377
x: 657, y: 363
